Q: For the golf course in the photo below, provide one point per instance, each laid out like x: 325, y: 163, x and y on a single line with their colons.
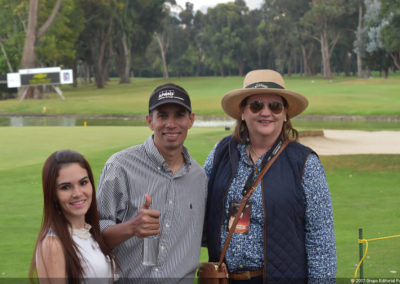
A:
x: 364, y: 187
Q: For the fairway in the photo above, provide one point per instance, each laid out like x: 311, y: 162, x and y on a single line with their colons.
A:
x: 364, y: 191
x: 93, y: 76
x: 363, y: 187
x: 339, y: 96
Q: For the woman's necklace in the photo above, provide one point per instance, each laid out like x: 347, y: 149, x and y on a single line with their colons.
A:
x: 83, y: 233
x: 254, y: 152
x: 251, y: 150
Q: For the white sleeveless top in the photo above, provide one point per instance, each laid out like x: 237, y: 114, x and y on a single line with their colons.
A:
x: 94, y: 263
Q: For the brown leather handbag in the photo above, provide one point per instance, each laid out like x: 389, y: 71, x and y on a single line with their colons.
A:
x: 217, y: 272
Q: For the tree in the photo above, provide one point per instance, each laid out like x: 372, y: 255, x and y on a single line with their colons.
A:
x: 285, y: 34
x: 391, y: 30
x: 324, y: 20
x: 225, y: 37
x: 97, y: 35
x: 134, y: 28
x: 376, y: 55
x: 33, y: 34
x: 359, y: 43
x: 11, y: 35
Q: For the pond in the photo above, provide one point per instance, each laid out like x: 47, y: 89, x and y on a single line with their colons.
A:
x: 42, y: 120
x: 302, y: 122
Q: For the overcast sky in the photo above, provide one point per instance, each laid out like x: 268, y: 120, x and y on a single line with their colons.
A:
x: 204, y: 4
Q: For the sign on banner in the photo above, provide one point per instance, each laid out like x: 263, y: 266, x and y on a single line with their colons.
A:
x: 39, y: 76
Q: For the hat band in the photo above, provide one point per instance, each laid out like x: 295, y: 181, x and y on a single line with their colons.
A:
x: 264, y: 85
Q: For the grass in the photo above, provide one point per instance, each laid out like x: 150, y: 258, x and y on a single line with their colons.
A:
x: 364, y: 191
x: 340, y: 96
x: 363, y: 187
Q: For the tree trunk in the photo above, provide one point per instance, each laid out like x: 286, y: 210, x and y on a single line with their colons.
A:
x: 395, y: 58
x: 326, y: 66
x: 306, y: 67
x: 386, y: 73
x: 3, y: 50
x: 289, y: 67
x: 75, y: 72
x: 347, y: 64
x: 99, y: 53
x: 241, y: 69
x: 28, y: 56
x: 359, y: 29
x: 124, y: 60
x: 88, y: 77
x: 222, y: 71
x: 32, y: 36
x: 164, y: 61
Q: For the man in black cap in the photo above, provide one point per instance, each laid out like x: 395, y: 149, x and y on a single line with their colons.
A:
x: 156, y: 189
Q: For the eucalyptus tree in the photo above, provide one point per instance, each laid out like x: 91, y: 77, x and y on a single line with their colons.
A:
x: 12, y: 34
x: 186, y: 52
x: 54, y: 43
x: 96, y: 38
x: 169, y: 39
x: 33, y: 34
x: 225, y: 37
x: 390, y: 33
x: 134, y: 28
x: 58, y: 46
x: 284, y: 33
x: 379, y: 34
x: 359, y: 43
x: 324, y: 21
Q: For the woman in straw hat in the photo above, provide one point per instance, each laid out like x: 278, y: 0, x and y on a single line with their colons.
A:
x: 285, y: 232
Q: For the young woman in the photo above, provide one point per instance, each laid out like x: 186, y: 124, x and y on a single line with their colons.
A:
x: 69, y: 246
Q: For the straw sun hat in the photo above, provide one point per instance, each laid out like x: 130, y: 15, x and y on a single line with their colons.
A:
x: 263, y: 82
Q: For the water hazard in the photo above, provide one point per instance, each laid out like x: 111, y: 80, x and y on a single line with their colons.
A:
x: 302, y: 122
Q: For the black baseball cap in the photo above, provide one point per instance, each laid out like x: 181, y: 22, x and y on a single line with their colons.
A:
x: 169, y: 94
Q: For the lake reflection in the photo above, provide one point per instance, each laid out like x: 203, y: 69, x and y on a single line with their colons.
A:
x: 19, y: 121
x: 300, y: 123
x: 41, y: 121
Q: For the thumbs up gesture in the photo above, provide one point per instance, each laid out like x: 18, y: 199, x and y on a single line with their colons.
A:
x: 147, y: 221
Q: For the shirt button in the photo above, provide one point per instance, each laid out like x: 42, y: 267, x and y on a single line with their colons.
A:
x: 170, y: 202
x: 156, y: 269
x: 241, y: 266
x: 167, y: 225
x: 238, y: 246
x: 159, y: 168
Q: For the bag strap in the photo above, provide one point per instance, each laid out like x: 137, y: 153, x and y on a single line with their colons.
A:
x: 245, y: 199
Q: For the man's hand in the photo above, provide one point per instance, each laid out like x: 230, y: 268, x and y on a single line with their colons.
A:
x: 147, y: 221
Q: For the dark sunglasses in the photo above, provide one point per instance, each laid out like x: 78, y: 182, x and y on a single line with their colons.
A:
x: 257, y: 106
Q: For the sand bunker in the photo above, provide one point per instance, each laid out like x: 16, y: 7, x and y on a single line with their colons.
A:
x: 344, y: 142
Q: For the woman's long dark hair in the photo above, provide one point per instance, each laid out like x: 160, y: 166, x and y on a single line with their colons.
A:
x: 241, y: 132
x: 54, y: 219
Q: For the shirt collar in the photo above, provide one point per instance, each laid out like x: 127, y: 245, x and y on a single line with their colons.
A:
x: 158, y: 159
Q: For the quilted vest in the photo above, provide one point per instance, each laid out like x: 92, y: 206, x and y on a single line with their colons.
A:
x: 284, y: 209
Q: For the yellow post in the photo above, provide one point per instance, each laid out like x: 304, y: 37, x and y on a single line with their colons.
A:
x: 84, y: 124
